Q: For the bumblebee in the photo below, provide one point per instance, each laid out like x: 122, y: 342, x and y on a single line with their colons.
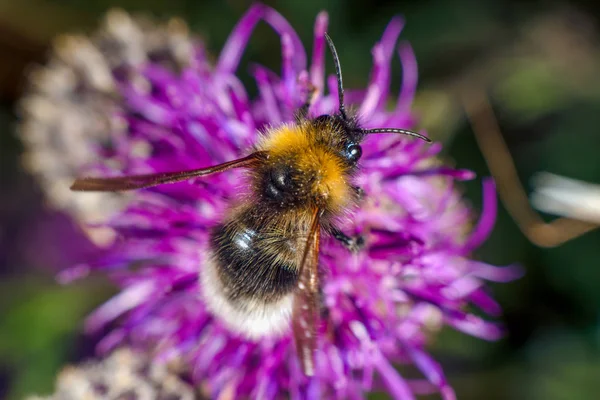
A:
x: 263, y: 262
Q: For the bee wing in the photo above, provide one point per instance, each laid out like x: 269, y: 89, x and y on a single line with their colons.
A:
x: 122, y: 183
x: 305, y: 309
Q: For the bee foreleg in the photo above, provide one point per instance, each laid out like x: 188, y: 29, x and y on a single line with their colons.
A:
x: 352, y: 243
x: 303, y: 111
x: 312, y: 94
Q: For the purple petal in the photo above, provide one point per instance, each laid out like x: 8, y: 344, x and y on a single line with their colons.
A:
x: 410, y: 77
x: 397, y: 386
x: 475, y: 326
x: 495, y: 274
x: 267, y: 94
x: 485, y: 302
x: 378, y: 88
x: 432, y: 370
x: 289, y: 76
x: 121, y: 303
x: 488, y: 217
x: 70, y: 275
x: 317, y: 66
x: 234, y: 47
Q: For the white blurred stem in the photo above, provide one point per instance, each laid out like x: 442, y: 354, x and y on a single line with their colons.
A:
x: 511, y: 191
x: 566, y: 197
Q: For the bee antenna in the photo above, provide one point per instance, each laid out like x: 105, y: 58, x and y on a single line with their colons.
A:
x: 394, y: 130
x: 338, y: 73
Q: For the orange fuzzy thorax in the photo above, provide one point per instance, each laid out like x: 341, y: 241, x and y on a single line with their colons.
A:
x: 312, y: 151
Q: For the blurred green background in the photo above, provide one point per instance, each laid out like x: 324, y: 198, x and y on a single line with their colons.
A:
x: 538, y: 59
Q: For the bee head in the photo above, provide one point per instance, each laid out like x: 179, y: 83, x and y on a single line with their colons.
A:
x: 348, y: 135
x: 309, y: 164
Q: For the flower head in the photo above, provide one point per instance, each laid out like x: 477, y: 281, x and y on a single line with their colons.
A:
x: 380, y: 305
x: 124, y: 374
x: 71, y: 107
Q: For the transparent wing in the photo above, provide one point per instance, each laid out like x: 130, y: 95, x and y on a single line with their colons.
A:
x: 306, y: 306
x: 123, y: 183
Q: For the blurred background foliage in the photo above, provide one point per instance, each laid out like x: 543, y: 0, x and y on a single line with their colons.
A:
x: 538, y: 61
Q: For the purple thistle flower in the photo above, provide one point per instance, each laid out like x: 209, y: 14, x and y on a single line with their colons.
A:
x: 382, y: 304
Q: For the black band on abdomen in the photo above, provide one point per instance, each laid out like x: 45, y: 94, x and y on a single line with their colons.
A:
x: 252, y: 264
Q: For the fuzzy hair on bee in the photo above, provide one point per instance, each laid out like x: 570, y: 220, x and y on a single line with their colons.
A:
x: 261, y: 270
x: 308, y: 167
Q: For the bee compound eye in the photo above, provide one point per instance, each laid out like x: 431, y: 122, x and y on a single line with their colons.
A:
x: 353, y: 153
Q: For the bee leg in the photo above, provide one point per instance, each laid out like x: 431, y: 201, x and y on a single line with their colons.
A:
x: 323, y: 309
x: 360, y: 193
x: 312, y: 93
x: 353, y: 244
x: 303, y: 111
